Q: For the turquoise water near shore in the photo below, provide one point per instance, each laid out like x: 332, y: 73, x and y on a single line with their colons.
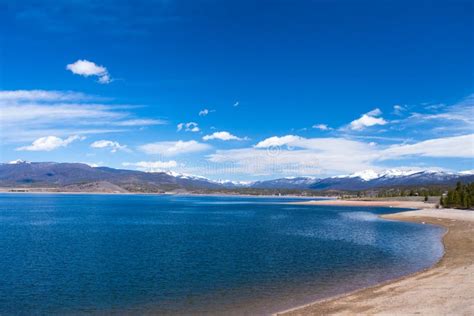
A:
x: 195, y: 254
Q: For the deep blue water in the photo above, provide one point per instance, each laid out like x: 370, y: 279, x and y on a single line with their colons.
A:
x: 65, y: 254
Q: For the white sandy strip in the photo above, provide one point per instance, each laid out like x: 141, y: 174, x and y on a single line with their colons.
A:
x: 453, y: 214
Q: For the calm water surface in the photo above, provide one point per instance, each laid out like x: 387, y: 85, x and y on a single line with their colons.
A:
x: 70, y: 254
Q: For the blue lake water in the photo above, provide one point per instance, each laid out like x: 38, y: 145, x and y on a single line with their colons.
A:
x: 64, y: 254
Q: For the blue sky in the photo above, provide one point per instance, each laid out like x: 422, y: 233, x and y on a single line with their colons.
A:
x: 239, y: 90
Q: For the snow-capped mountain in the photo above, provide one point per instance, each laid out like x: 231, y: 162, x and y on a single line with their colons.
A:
x: 237, y: 184
x: 370, y: 174
x: 60, y: 175
x: 366, y: 175
x: 225, y: 183
x: 285, y: 183
x: 15, y: 162
x: 369, y: 179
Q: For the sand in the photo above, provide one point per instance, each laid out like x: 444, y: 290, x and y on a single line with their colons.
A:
x: 384, y: 203
x: 445, y: 289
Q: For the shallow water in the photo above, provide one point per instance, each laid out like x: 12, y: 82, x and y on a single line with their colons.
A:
x: 194, y: 254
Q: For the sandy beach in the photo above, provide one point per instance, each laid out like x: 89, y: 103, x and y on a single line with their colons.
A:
x: 382, y: 203
x: 445, y: 289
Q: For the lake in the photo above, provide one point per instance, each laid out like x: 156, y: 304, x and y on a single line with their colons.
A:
x: 89, y: 253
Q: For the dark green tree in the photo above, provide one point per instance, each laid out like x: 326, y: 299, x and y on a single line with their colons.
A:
x: 462, y: 196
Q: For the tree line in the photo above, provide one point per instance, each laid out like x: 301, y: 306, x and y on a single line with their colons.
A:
x: 460, y: 197
x: 401, y: 192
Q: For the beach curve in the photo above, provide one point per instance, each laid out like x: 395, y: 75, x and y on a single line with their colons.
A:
x: 445, y: 288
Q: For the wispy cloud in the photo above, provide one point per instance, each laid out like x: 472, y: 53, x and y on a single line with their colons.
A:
x: 152, y: 166
x: 205, y: 112
x: 322, y: 127
x: 436, y: 121
x: 49, y: 143
x: 43, y: 95
x: 173, y: 148
x: 188, y: 127
x: 399, y: 109
x: 450, y: 147
x: 457, y: 117
x: 295, y: 155
x: 87, y: 68
x: 112, y: 145
x: 141, y: 122
x: 26, y: 114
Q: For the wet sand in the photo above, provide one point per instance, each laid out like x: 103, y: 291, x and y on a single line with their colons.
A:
x: 445, y: 289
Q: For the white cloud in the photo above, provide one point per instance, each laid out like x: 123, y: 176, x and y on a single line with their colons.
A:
x: 55, y: 113
x: 374, y: 112
x: 50, y: 143
x: 331, y: 145
x: 87, y: 68
x: 141, y: 122
x: 42, y: 95
x: 152, y: 166
x: 172, y: 148
x: 28, y: 114
x: 458, y: 118
x: 368, y: 119
x: 434, y: 106
x: 222, y: 136
x: 105, y: 79
x: 188, y: 127
x: 454, y: 147
x: 322, y: 127
x: 294, y: 155
x: 205, y: 112
x: 399, y: 110
x: 276, y: 141
x: 114, y: 146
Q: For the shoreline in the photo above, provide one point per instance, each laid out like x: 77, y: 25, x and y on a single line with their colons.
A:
x: 447, y: 287
x: 171, y: 194
x: 417, y: 205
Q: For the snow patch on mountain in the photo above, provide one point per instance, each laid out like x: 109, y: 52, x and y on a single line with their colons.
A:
x: 236, y: 183
x: 369, y: 175
x: 16, y: 162
x: 201, y: 178
x: 365, y: 175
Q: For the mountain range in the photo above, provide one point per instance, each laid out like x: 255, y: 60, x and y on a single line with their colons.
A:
x: 82, y: 177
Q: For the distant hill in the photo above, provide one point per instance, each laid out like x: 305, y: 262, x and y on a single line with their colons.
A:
x: 370, y: 180
x: 77, y: 177
x: 70, y: 175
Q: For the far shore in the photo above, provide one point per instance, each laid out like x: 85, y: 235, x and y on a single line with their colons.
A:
x: 413, y: 204
x: 217, y: 194
x: 445, y: 289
